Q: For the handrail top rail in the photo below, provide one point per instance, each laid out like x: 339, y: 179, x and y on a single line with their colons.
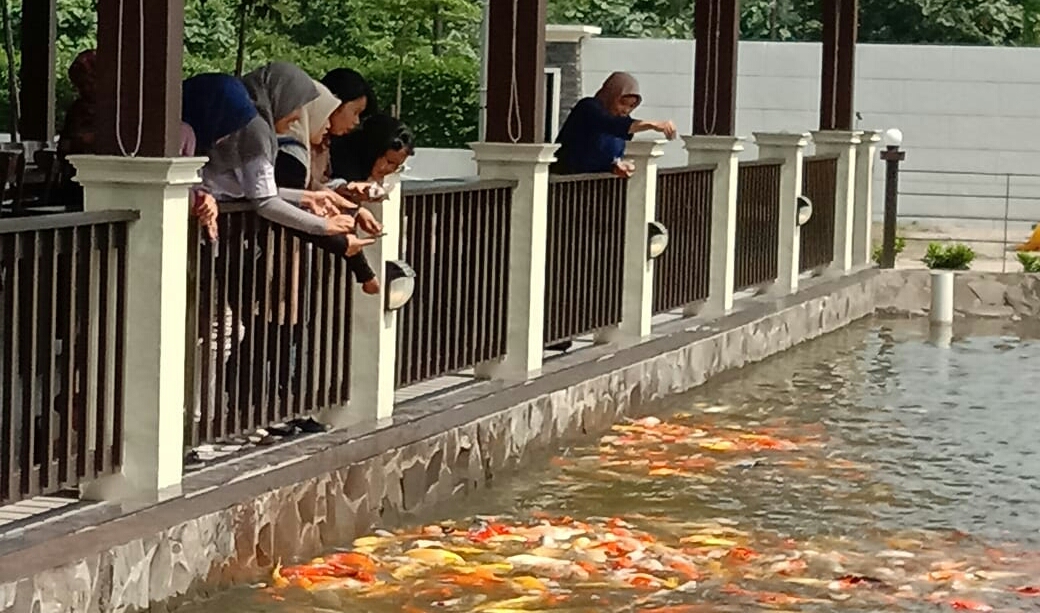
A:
x: 675, y: 170
x: 59, y: 221
x: 588, y: 176
x: 762, y: 162
x: 821, y: 158
x: 453, y: 186
x: 235, y: 206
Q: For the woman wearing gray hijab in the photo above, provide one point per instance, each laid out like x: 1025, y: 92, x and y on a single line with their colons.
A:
x: 241, y: 167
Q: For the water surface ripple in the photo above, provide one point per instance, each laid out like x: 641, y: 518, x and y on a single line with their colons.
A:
x: 900, y: 437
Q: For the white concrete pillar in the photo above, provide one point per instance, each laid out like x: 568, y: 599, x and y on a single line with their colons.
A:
x: 373, y: 329
x: 528, y: 165
x: 791, y: 149
x: 721, y: 151
x: 842, y: 144
x: 863, y: 217
x: 156, y: 309
x: 637, y: 299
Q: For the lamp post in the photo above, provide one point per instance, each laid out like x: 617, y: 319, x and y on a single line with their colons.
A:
x: 892, y: 156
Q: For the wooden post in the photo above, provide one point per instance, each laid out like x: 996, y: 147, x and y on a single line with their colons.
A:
x: 837, y: 91
x: 39, y: 33
x: 119, y: 78
x: 502, y: 109
x: 717, y: 32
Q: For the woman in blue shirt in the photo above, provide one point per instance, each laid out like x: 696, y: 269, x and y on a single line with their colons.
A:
x: 593, y: 137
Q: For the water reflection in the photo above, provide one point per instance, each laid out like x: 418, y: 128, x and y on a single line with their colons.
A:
x: 885, y: 466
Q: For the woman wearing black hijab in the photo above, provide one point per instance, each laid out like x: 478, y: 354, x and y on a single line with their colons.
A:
x: 357, y: 101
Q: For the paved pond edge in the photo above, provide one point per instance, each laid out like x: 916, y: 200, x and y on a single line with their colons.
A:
x: 232, y: 523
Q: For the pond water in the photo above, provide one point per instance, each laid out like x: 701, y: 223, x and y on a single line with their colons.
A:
x: 883, y: 467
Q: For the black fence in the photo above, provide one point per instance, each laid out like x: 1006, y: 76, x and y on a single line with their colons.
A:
x: 758, y: 224
x: 585, y: 255
x: 684, y: 202
x: 819, y: 184
x: 63, y: 306
x: 456, y: 238
x: 270, y: 336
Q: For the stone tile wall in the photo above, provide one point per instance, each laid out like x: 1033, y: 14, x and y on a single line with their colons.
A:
x: 976, y: 294
x: 194, y: 556
x: 566, y: 57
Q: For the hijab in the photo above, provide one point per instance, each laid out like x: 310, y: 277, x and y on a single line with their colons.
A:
x: 83, y: 72
x: 215, y: 106
x: 617, y: 86
x: 277, y: 89
x: 315, y: 115
x: 347, y: 85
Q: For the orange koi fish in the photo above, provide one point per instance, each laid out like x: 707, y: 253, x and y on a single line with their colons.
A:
x: 969, y: 605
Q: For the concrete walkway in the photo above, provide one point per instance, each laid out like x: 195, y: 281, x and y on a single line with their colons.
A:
x: 992, y: 253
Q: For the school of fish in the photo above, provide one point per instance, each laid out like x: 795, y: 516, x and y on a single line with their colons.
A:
x: 649, y: 563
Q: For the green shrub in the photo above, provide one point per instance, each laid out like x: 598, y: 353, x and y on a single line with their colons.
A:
x: 879, y: 249
x: 948, y: 257
x: 1030, y: 262
x: 440, y: 97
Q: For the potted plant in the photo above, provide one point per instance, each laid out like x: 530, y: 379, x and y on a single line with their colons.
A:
x: 1030, y: 262
x: 944, y: 261
x: 948, y: 257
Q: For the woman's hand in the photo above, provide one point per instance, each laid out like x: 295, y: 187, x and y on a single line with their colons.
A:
x: 667, y: 128
x: 369, y: 191
x: 623, y: 169
x: 333, y: 199
x: 367, y: 221
x: 205, y: 208
x: 318, y: 204
x: 339, y: 224
x: 355, y: 244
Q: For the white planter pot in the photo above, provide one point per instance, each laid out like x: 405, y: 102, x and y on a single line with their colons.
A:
x: 942, y: 297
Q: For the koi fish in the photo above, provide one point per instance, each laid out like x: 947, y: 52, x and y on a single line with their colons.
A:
x: 969, y: 605
x: 436, y: 556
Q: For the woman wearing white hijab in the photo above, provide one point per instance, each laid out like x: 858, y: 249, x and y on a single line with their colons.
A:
x: 300, y: 166
x: 241, y: 167
x: 306, y: 137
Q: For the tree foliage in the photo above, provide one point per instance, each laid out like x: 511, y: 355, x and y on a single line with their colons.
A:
x: 432, y: 46
x: 993, y: 22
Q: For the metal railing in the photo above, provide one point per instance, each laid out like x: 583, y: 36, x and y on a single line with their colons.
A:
x: 684, y: 202
x: 62, y: 365
x: 819, y: 184
x: 758, y: 224
x: 456, y: 238
x: 585, y: 255
x: 270, y: 336
x: 993, y: 211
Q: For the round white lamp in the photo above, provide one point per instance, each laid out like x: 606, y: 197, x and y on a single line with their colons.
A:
x: 804, y: 209
x: 400, y: 282
x: 657, y: 240
x: 893, y: 137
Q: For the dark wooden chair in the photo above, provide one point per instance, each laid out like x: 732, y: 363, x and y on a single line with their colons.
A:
x: 49, y: 173
x: 12, y: 183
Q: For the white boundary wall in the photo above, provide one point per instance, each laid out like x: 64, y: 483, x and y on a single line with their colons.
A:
x: 960, y: 108
x: 968, y: 109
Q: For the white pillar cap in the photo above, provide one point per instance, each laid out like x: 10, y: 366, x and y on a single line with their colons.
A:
x: 781, y: 139
x: 644, y: 148
x: 836, y: 137
x: 109, y: 169
x: 531, y: 153
x: 714, y: 142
